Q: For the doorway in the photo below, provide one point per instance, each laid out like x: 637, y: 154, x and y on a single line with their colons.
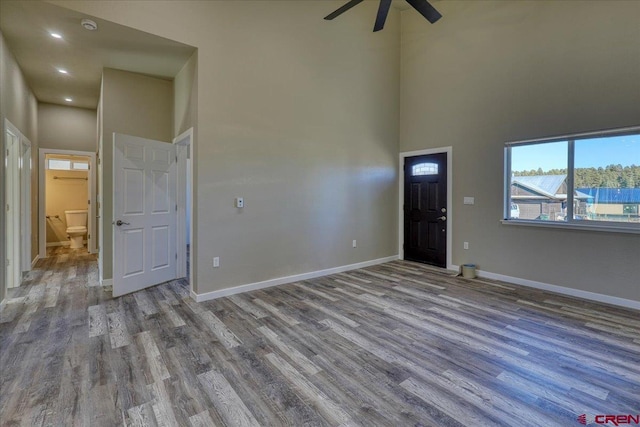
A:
x: 18, y: 205
x: 67, y: 200
x: 425, y: 200
x: 184, y: 200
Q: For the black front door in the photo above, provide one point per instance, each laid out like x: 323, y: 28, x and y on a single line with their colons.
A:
x: 425, y: 209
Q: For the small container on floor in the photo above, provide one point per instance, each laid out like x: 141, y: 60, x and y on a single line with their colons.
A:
x: 469, y: 271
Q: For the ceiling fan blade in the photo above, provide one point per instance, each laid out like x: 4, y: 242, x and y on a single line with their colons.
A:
x: 425, y: 10
x: 383, y: 11
x: 342, y: 9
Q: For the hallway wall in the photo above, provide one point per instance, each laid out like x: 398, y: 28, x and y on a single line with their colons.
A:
x: 19, y: 105
x: 67, y: 128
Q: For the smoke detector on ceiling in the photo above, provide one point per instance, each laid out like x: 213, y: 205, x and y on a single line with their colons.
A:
x: 88, y: 24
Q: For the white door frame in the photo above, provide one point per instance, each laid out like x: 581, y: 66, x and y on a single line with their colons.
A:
x: 183, y: 143
x: 18, y: 172
x: 25, y: 203
x: 403, y: 155
x: 91, y: 211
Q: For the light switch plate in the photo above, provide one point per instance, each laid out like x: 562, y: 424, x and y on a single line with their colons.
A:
x: 239, y: 202
x: 469, y: 200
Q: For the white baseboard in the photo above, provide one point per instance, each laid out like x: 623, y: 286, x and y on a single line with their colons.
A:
x: 63, y: 243
x: 289, y: 279
x: 35, y: 260
x: 106, y: 282
x: 593, y: 296
x: 52, y: 244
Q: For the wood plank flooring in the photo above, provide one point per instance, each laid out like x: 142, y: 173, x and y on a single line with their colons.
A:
x: 399, y: 344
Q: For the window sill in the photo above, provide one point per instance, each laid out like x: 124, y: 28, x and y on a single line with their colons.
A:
x: 634, y: 229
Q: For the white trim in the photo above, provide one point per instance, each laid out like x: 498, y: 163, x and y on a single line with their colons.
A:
x: 56, y: 244
x: 91, y: 211
x: 183, y: 142
x: 289, y: 279
x: 35, y: 261
x: 21, y: 175
x: 403, y: 155
x: 583, y: 135
x: 592, y: 296
x: 611, y: 227
x: 62, y: 243
x: 106, y: 282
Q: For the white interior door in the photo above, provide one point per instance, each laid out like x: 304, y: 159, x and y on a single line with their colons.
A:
x: 144, y: 213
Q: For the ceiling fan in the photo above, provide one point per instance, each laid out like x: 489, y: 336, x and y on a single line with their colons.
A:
x: 422, y: 6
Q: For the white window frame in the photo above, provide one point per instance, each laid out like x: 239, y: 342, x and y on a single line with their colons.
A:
x: 570, y: 223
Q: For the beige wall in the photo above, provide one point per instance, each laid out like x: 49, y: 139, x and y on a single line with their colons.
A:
x: 297, y: 115
x: 496, y: 71
x: 185, y: 96
x: 132, y: 104
x: 67, y: 128
x: 63, y: 195
x: 19, y: 105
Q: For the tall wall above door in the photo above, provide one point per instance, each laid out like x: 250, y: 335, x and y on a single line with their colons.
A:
x: 63, y: 127
x: 132, y: 104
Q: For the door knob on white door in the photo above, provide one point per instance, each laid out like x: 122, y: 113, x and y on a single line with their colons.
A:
x: 120, y: 222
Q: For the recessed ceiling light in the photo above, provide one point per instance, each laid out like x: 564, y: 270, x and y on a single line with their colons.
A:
x: 55, y: 35
x: 68, y: 99
x: 61, y: 71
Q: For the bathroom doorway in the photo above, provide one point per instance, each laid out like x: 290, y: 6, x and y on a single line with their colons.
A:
x: 67, y: 200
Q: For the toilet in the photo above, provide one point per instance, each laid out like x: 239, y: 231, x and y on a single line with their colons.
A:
x: 76, y: 227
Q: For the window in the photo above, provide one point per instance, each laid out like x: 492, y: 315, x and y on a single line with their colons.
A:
x: 424, y: 169
x: 59, y: 164
x: 82, y: 166
x: 67, y: 165
x: 587, y: 179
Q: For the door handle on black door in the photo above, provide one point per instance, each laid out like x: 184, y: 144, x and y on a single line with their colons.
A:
x: 442, y: 218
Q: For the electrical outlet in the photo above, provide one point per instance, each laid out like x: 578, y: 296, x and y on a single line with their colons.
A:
x: 466, y: 245
x: 216, y: 262
x: 355, y: 244
x: 239, y: 202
